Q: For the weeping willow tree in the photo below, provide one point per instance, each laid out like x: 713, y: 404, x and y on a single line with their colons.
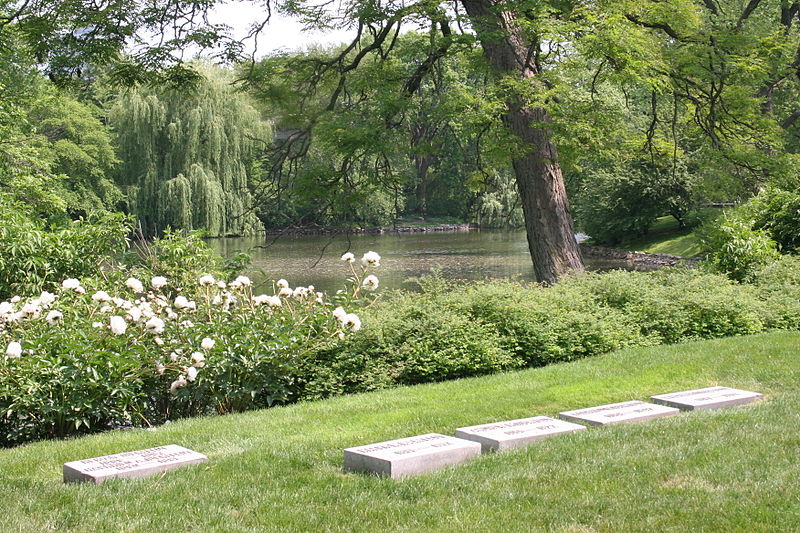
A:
x: 188, y: 157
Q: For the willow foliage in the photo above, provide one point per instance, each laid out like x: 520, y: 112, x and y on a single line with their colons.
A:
x: 188, y: 157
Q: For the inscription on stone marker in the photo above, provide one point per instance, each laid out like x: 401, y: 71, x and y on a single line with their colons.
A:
x: 409, y: 456
x: 512, y: 433
x: 140, y: 463
x: 708, y: 398
x: 633, y: 411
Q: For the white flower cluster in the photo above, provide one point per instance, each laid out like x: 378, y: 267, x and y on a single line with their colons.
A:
x: 197, y: 360
x: 347, y: 320
x: 29, y: 310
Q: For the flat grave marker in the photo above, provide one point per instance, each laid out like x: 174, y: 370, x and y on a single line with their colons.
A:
x: 615, y: 413
x: 708, y: 398
x: 410, y: 456
x: 499, y: 436
x: 140, y: 463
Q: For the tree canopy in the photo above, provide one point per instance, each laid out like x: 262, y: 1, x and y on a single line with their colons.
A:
x: 690, y: 100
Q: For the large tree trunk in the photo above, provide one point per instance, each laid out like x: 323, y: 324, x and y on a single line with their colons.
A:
x: 551, y: 236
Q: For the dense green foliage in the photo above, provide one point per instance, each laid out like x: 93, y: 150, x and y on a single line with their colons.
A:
x: 754, y: 234
x: 35, y: 256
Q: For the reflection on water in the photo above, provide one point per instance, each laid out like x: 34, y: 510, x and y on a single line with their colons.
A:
x: 314, y: 260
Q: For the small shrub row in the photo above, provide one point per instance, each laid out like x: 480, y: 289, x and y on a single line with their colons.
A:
x: 446, y: 332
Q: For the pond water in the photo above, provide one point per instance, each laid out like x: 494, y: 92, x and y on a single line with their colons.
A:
x: 315, y: 259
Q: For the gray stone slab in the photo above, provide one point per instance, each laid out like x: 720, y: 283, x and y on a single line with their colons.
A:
x: 615, y: 413
x: 500, y: 436
x: 410, y: 456
x: 140, y: 463
x: 708, y: 398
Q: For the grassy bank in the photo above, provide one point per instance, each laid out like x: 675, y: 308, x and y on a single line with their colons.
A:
x: 665, y: 237
x: 280, y: 469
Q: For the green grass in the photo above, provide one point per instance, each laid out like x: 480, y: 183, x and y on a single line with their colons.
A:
x: 734, y: 469
x: 665, y: 237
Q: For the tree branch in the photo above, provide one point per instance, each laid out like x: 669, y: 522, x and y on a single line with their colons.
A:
x: 666, y: 28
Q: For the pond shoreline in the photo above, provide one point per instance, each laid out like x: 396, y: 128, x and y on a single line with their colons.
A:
x: 589, y: 251
x: 408, y: 228
x: 617, y: 255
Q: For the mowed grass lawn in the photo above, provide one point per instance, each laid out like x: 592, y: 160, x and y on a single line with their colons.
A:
x: 734, y: 469
x: 665, y: 237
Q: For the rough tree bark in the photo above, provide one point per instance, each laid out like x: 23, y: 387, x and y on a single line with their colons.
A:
x: 551, y: 235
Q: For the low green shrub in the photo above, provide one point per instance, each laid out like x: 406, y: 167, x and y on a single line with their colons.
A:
x: 734, y: 248
x: 406, y: 342
x: 778, y: 286
x: 673, y: 305
x: 544, y: 326
x: 35, y: 256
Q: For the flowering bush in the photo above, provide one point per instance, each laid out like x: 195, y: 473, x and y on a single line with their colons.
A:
x: 86, y: 358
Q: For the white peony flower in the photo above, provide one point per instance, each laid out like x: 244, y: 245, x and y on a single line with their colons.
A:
x: 16, y: 299
x: 46, y: 298
x: 71, y: 283
x: 371, y: 259
x: 134, y: 284
x: 6, y: 308
x: 181, y: 302
x: 106, y: 309
x: 80, y: 290
x: 31, y: 310
x: 172, y: 315
x: 274, y: 301
x: 370, y: 283
x: 118, y: 325
x: 207, y: 280
x: 285, y: 291
x: 198, y: 360
x: 207, y: 343
x: 339, y: 313
x: 158, y: 282
x: 173, y: 356
x: 217, y: 300
x: 349, y: 257
x: 178, y: 383
x: 155, y: 325
x: 158, y: 340
x: 282, y: 284
x: 97, y: 324
x: 54, y: 317
x: 300, y: 292
x: 134, y: 314
x: 13, y: 350
x: 191, y: 373
x: 101, y: 296
x: 187, y: 324
x: 160, y: 367
x: 244, y: 281
x: 352, y: 321
x: 222, y: 285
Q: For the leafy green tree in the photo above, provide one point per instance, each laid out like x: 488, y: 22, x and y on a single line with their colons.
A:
x: 80, y: 148
x: 188, y: 157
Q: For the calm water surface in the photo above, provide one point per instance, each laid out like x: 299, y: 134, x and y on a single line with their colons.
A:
x: 315, y: 260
